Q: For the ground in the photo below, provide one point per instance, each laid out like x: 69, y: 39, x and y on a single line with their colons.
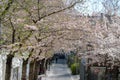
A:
x: 59, y: 71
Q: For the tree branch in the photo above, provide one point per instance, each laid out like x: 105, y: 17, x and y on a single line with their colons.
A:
x: 7, y: 8
x: 49, y: 14
x: 13, y: 31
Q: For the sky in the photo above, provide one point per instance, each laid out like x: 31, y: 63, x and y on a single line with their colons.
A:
x: 92, y: 6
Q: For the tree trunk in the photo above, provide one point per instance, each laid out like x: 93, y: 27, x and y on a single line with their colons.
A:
x: 8, y: 67
x: 0, y: 30
x: 24, y: 70
x: 37, y: 65
x: 13, y: 36
x: 34, y: 69
x: 31, y: 73
x: 41, y: 67
x: 13, y: 31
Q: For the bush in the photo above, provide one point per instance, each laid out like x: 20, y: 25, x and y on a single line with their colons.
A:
x: 70, y: 62
x: 75, y: 68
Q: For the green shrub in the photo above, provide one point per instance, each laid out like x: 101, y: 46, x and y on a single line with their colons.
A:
x: 75, y: 68
x: 70, y: 62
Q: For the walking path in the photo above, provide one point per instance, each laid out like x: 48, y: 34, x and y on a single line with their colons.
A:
x: 59, y: 71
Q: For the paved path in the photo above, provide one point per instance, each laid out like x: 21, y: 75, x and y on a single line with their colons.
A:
x: 59, y: 71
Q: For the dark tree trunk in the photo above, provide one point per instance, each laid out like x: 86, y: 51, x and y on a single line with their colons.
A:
x: 31, y: 73
x: 0, y: 30
x: 8, y: 67
x: 13, y: 36
x: 38, y: 3
x: 37, y: 65
x: 34, y: 65
x: 24, y: 70
x: 41, y: 71
x: 13, y: 31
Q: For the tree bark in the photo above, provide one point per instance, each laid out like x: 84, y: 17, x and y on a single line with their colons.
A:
x: 37, y: 65
x: 10, y: 2
x: 13, y: 36
x: 49, y: 14
x: 8, y: 67
x: 31, y: 73
x: 24, y: 70
x: 13, y: 31
x: 0, y: 30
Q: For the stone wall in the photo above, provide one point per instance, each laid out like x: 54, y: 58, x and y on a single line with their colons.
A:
x: 2, y: 66
x: 18, y: 68
x: 16, y: 71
